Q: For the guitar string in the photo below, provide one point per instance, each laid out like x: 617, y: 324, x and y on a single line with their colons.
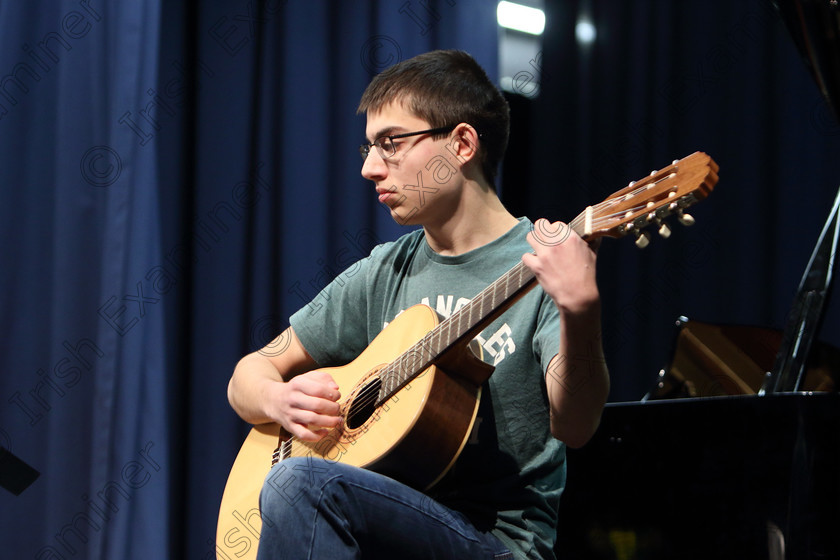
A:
x: 480, y: 300
x: 389, y: 375
x: 410, y: 362
x: 606, y: 218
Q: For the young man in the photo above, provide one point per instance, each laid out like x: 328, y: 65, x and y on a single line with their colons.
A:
x: 436, y: 130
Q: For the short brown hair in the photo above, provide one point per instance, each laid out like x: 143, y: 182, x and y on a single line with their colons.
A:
x: 446, y: 88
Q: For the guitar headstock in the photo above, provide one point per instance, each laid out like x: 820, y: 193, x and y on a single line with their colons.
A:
x: 650, y: 200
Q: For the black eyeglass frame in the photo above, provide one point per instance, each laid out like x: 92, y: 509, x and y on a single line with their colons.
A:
x: 364, y: 149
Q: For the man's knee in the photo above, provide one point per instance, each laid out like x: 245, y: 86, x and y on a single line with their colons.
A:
x: 294, y: 480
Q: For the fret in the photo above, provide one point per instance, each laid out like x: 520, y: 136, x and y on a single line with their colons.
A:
x: 387, y: 381
x: 492, y: 300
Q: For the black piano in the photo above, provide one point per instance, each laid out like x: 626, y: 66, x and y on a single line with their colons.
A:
x: 715, y: 477
x: 735, y: 451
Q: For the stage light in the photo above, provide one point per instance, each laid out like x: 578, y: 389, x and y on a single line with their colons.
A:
x: 520, y: 18
x: 585, y: 32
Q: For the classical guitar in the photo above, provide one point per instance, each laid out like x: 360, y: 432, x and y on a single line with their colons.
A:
x: 410, y: 399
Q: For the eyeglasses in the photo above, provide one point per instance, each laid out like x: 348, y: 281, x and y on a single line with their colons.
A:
x: 386, y: 146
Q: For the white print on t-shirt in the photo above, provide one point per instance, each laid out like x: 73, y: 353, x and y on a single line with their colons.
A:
x: 444, y: 304
x: 498, y: 346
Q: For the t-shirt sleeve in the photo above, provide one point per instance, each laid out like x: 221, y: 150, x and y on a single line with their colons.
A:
x: 333, y: 326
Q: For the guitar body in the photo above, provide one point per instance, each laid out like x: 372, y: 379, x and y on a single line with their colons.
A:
x: 414, y: 437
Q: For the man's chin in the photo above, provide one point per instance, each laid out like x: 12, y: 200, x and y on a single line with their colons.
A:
x: 405, y: 217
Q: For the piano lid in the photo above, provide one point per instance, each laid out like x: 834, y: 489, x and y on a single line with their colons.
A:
x: 815, y: 27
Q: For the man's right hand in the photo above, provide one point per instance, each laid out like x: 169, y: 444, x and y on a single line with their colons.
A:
x: 306, y: 405
x: 286, y: 388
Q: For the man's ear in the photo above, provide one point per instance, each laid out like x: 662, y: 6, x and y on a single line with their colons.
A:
x: 464, y: 143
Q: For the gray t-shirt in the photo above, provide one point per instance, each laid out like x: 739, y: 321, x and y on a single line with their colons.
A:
x: 511, y: 473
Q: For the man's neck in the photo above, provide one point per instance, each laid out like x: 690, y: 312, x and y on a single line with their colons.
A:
x: 479, y: 220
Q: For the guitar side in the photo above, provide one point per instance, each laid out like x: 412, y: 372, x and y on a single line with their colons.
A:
x: 239, y: 524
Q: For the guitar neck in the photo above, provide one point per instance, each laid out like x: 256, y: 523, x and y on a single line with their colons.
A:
x: 457, y: 330
x: 464, y: 324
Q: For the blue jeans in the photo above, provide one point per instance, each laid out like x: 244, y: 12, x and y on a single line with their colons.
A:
x: 314, y: 509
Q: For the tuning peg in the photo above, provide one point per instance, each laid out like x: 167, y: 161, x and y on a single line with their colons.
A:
x: 685, y: 219
x: 642, y: 239
x: 664, y: 230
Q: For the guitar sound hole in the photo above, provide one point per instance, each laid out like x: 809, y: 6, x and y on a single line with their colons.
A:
x: 364, y: 405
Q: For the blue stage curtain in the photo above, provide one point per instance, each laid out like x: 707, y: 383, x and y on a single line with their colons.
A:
x: 177, y: 179
x: 84, y: 343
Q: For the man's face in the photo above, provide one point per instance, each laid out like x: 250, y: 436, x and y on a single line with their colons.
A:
x: 421, y: 178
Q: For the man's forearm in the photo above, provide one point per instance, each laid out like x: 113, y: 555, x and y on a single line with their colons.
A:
x: 249, y: 387
x: 577, y: 379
